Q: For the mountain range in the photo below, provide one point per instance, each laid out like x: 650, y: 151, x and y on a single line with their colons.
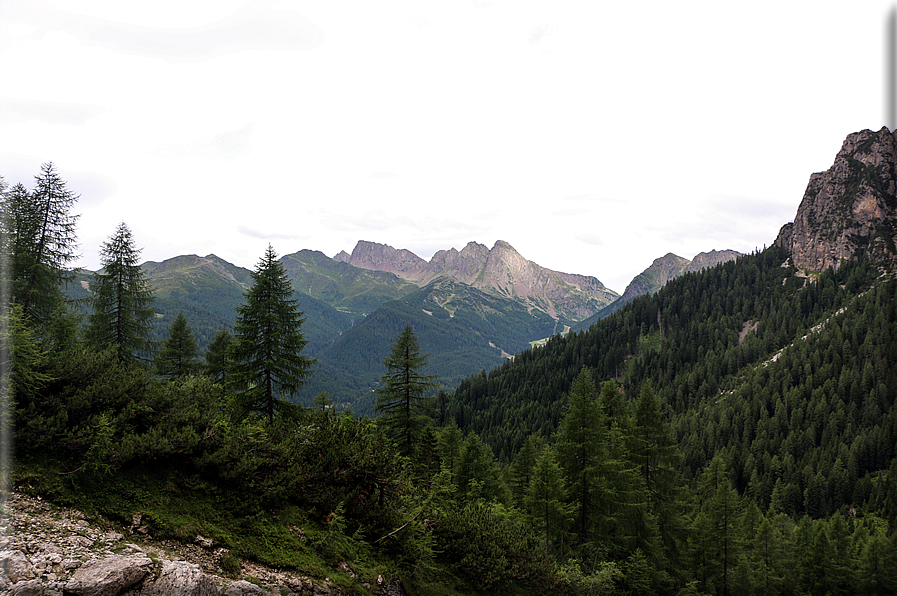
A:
x: 471, y: 309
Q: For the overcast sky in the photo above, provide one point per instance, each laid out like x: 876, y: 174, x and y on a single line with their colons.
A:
x: 592, y: 136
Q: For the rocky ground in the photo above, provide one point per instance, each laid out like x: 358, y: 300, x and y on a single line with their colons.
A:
x: 52, y: 551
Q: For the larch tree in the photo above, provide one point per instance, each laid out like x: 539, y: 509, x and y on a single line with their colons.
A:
x: 582, y: 449
x: 122, y: 301
x: 268, y: 364
x: 545, y: 498
x: 402, y: 400
x: 218, y: 356
x: 40, y: 239
x: 179, y: 355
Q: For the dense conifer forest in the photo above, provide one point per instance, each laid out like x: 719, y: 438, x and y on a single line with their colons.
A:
x: 733, y: 433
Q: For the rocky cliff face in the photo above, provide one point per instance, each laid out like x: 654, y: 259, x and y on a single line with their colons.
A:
x: 500, y: 270
x: 849, y: 208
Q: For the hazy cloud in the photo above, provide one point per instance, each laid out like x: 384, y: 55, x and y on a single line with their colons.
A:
x: 266, y: 235
x: 224, y: 145
x: 591, y: 239
x: 537, y: 34
x: 250, y: 28
x: 51, y: 112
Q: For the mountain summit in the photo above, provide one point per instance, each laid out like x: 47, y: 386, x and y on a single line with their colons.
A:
x: 501, y: 271
x: 849, y: 208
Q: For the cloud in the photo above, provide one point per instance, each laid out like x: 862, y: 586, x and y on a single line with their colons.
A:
x: 266, y: 235
x: 538, y: 33
x: 250, y: 28
x: 591, y: 239
x: 224, y: 145
x: 50, y: 112
x: 384, y: 175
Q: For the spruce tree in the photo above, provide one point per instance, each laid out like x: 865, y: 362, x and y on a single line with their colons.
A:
x: 267, y: 361
x: 179, y: 356
x: 122, y: 301
x: 218, y: 356
x: 403, y: 399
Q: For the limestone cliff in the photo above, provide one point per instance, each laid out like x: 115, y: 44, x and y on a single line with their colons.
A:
x: 850, y: 208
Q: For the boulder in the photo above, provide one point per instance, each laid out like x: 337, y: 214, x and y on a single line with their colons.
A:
x: 15, y: 565
x: 244, y: 588
x: 32, y: 587
x: 109, y: 576
x: 181, y: 577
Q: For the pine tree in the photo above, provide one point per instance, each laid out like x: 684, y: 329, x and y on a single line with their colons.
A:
x: 403, y: 399
x: 122, y: 301
x: 268, y: 341
x: 179, y: 356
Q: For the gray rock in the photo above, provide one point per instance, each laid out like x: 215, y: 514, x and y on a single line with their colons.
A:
x: 181, y: 577
x: 28, y: 588
x: 244, y: 588
x: 15, y: 565
x: 394, y: 588
x: 109, y: 576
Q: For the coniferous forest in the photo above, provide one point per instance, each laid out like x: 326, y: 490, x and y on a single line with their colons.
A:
x: 733, y: 433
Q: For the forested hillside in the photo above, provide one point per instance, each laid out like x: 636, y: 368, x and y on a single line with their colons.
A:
x: 733, y: 433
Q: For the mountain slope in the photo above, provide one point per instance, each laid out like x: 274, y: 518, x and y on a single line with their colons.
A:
x: 343, y: 286
x: 790, y: 378
x: 462, y: 328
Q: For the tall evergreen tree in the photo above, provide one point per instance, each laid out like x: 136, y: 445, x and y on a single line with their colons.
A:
x: 545, y: 498
x: 40, y: 240
x: 218, y: 356
x: 122, y: 301
x: 521, y: 471
x: 268, y: 341
x: 582, y: 448
x: 179, y: 356
x: 402, y: 400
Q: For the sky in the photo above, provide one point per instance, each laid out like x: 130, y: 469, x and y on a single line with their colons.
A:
x: 592, y: 136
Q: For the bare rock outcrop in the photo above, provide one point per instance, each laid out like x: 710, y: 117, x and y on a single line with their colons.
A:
x: 51, y: 551
x: 849, y: 208
x: 181, y: 577
x: 109, y: 576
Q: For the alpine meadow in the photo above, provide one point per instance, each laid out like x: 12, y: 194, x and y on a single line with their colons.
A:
x: 376, y: 423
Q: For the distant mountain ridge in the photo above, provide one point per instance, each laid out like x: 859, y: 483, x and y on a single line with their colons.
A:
x: 661, y: 271
x: 501, y: 271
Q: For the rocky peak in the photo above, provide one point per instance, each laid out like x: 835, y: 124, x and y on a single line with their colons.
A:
x: 500, y: 270
x: 705, y: 260
x: 382, y: 257
x: 342, y: 257
x: 849, y: 208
